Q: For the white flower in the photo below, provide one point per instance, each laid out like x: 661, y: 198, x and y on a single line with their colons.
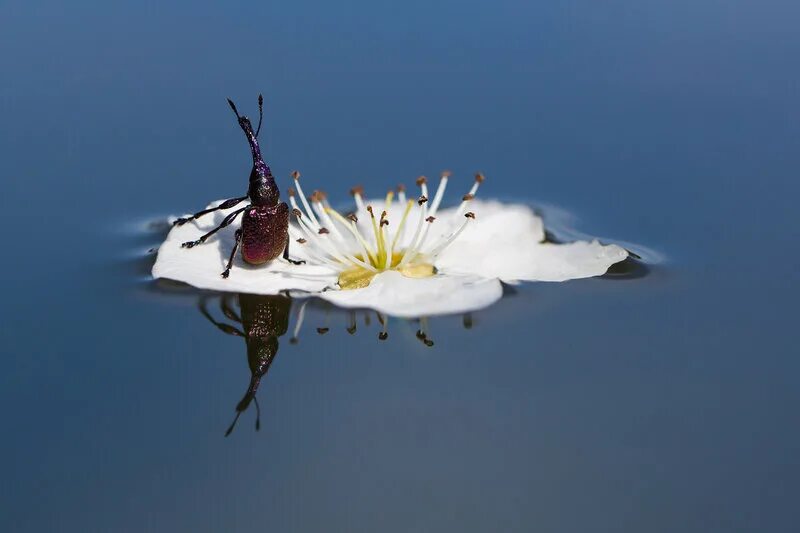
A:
x: 397, y: 255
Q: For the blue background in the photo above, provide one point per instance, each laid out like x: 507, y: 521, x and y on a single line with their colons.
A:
x: 662, y: 403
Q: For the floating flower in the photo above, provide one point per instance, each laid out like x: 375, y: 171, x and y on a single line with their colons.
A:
x: 403, y: 256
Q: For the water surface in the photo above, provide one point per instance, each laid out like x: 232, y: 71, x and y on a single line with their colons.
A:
x: 657, y: 402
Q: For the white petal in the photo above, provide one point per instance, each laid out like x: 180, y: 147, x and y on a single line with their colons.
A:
x: 201, y: 266
x: 505, y: 242
x: 495, y: 220
x: 396, y: 295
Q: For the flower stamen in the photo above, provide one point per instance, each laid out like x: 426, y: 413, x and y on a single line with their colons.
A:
x: 423, y: 202
x: 437, y: 198
x: 452, y: 237
x: 389, y: 198
x: 471, y: 194
x: 401, y: 229
x: 357, y: 193
x: 296, y: 177
x: 361, y: 258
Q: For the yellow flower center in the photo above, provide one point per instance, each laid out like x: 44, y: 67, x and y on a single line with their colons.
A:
x: 358, y: 277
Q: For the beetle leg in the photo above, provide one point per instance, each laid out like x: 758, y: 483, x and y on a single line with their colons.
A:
x: 227, y: 204
x: 225, y: 222
x: 286, y: 255
x: 225, y: 328
x: 227, y: 309
x: 227, y: 271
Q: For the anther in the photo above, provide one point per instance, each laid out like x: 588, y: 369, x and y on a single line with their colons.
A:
x: 297, y: 213
x: 446, y: 173
x: 383, y: 335
x: 291, y: 192
x: 369, y: 208
x: 353, y: 217
x: 421, y: 180
x: 301, y: 240
x: 470, y: 214
x: 323, y: 231
x: 422, y: 200
x: 401, y: 188
x: 467, y: 197
x: 479, y: 177
x: 430, y: 219
x: 384, y: 222
x: 295, y: 175
x: 358, y: 189
x: 323, y: 331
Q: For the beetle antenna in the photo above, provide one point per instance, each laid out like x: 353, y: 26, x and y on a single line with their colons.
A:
x: 258, y: 414
x: 252, y: 140
x: 233, y: 424
x: 233, y: 106
x: 260, y: 113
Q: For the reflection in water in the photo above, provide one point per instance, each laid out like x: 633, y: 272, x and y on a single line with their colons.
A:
x: 261, y: 320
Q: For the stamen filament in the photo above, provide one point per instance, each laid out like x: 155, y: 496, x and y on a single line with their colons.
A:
x: 367, y: 253
x: 402, y: 227
x: 437, y: 198
x: 387, y: 259
x: 313, y: 236
x: 470, y: 195
x: 309, y: 212
x: 419, y: 246
x: 323, y: 214
x: 378, y: 240
x: 311, y: 250
x: 301, y: 314
x: 407, y: 255
x: 351, y: 225
x: 356, y: 192
x: 330, y: 248
x: 452, y: 237
x: 422, y: 181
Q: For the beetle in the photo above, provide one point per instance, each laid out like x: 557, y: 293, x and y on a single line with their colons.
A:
x: 264, y: 319
x: 264, y: 232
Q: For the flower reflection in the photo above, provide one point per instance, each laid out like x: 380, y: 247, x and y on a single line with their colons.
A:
x: 261, y: 320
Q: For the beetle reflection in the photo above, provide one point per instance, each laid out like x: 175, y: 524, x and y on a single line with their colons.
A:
x: 262, y: 320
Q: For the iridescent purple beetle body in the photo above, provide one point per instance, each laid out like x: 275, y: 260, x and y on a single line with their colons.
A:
x: 264, y: 233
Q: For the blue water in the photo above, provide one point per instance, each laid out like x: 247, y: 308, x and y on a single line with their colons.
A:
x: 660, y: 401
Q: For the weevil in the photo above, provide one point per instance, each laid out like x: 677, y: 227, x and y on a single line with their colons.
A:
x: 264, y: 232
x: 264, y: 319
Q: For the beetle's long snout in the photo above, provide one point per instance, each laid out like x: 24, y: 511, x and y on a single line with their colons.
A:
x: 247, y: 127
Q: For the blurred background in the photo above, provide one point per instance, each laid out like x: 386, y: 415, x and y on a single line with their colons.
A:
x: 657, y: 402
